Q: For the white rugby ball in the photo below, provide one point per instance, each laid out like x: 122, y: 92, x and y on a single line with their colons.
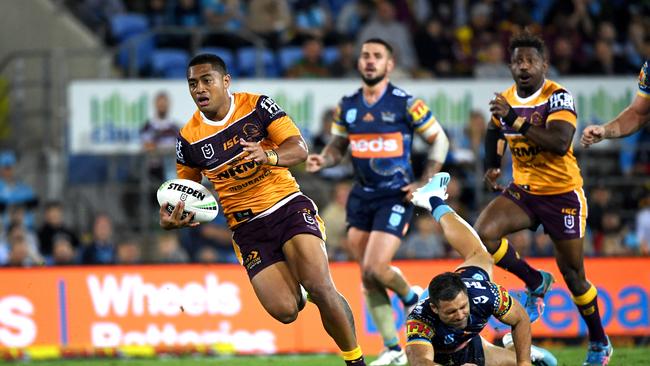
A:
x: 197, y: 198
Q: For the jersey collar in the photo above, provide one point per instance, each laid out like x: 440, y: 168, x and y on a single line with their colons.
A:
x: 531, y: 97
x: 225, y: 119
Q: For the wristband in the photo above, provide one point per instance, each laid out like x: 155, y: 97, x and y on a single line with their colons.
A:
x: 510, y: 118
x: 524, y: 127
x: 272, y: 156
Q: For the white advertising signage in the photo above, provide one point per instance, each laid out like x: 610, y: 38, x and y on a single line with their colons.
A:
x: 106, y: 115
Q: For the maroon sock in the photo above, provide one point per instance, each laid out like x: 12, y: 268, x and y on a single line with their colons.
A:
x: 507, y: 258
x: 587, y: 304
x: 358, y: 362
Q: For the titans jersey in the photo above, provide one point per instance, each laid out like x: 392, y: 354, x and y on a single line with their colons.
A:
x: 644, y: 81
x: 381, y: 136
x: 485, y: 299
x: 534, y: 169
x: 212, y: 148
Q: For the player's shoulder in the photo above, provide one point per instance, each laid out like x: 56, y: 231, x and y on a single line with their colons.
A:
x: 552, y: 87
x: 510, y: 92
x: 351, y: 97
x: 190, y: 128
x: 422, y: 312
x: 398, y: 92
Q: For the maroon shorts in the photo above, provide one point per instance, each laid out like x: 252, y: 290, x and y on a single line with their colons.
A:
x: 563, y: 216
x: 258, y: 243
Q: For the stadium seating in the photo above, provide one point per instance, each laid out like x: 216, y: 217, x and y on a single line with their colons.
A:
x: 128, y: 30
x: 330, y: 54
x: 169, y: 63
x: 227, y: 55
x: 247, y: 59
x: 288, y: 56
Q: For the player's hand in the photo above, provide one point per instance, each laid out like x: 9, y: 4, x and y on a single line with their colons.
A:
x: 255, y: 151
x: 173, y: 221
x: 591, y: 135
x: 409, y: 189
x: 491, y: 177
x: 314, y: 163
x: 499, y: 106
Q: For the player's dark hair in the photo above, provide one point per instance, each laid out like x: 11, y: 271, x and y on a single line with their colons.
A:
x: 445, y: 287
x: 527, y: 39
x: 381, y: 42
x: 215, y: 61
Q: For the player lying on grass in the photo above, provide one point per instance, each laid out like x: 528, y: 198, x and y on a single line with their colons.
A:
x: 444, y: 328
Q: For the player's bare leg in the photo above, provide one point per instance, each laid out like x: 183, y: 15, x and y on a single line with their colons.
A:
x: 279, y: 292
x: 374, y: 252
x: 498, y: 356
x: 307, y: 259
x: 569, y: 255
x: 501, y: 217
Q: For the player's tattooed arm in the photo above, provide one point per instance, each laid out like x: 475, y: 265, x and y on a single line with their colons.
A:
x: 331, y: 155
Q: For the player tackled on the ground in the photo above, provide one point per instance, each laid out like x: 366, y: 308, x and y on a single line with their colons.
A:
x: 444, y: 328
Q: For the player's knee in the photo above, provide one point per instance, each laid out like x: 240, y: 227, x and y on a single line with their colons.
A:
x: 319, y: 290
x: 285, y: 314
x: 369, y: 276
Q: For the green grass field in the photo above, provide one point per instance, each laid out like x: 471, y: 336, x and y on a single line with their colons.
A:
x: 568, y: 356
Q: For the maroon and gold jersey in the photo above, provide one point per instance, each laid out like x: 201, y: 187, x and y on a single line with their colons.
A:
x: 212, y: 149
x: 534, y: 169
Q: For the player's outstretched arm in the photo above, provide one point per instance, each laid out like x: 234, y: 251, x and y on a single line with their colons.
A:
x: 521, y: 336
x: 420, y: 354
x: 331, y: 155
x: 629, y: 121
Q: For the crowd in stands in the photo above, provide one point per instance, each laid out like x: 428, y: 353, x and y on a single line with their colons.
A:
x: 37, y: 233
x: 432, y: 38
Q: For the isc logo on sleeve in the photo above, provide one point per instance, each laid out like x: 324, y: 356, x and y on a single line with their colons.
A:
x: 386, y: 145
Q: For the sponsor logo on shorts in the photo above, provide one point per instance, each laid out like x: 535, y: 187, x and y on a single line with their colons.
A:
x: 395, y: 219
x: 367, y: 146
x: 252, y: 259
x: 569, y: 221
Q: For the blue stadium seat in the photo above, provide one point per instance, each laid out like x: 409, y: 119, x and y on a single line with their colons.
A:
x: 227, y: 56
x: 124, y: 29
x: 289, y: 56
x: 124, y: 26
x: 330, y: 54
x: 169, y: 63
x: 247, y: 58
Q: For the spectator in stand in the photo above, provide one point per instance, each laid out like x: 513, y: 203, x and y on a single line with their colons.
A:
x: 470, y: 37
x: 158, y: 14
x: 128, y: 252
x: 53, y: 227
x: 346, y: 64
x: 21, y: 252
x: 14, y: 192
x: 642, y: 224
x: 207, y: 255
x: 491, y: 64
x: 334, y: 216
x: 158, y: 136
x: 214, y: 235
x: 613, y: 236
x: 271, y: 20
x: 312, y: 20
x: 168, y: 249
x: 599, y: 202
x: 101, y: 250
x: 96, y: 14
x: 228, y: 18
x: 63, y: 252
x: 353, y: 16
x: 562, y: 57
x: 384, y: 25
x: 605, y: 62
x: 435, y: 49
x: 424, y: 242
x: 311, y: 65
